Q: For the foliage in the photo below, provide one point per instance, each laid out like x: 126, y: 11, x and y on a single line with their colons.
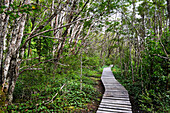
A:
x: 34, y: 90
x: 150, y: 89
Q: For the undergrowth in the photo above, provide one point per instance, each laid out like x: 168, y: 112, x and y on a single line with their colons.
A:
x: 146, y: 100
x: 56, y: 90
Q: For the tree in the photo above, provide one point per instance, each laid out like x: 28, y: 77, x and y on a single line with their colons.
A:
x: 32, y: 27
x: 168, y: 8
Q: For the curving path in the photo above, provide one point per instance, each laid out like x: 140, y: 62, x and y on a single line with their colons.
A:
x: 116, y: 97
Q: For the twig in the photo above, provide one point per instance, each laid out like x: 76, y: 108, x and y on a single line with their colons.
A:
x: 163, y: 48
x: 55, y: 95
x: 30, y: 59
x: 161, y: 56
x: 50, y: 37
x: 30, y: 69
x: 41, y: 63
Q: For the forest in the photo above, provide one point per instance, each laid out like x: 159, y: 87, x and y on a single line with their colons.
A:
x: 52, y: 53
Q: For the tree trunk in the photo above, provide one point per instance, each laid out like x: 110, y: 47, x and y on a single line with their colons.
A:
x: 3, y: 32
x: 81, y: 82
x: 168, y: 8
x: 11, y: 66
x: 130, y: 57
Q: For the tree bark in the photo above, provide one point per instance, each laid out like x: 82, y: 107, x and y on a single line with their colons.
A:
x: 168, y: 8
x: 3, y: 32
x: 11, y: 66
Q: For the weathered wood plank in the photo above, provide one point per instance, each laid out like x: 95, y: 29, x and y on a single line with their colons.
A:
x: 116, y: 97
x: 121, y: 91
x: 114, y: 110
x: 114, y: 84
x: 116, y: 105
x: 116, y: 94
x: 116, y: 101
x: 98, y: 111
x: 109, y: 81
x: 114, y: 87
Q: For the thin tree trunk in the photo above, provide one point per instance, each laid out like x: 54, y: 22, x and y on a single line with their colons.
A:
x: 168, y: 8
x: 14, y: 62
x: 121, y: 62
x: 10, y: 64
x: 131, y: 62
x: 81, y: 71
x: 130, y: 43
x: 141, y: 72
x: 3, y: 32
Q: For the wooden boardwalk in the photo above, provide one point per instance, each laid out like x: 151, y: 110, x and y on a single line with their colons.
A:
x: 116, y: 97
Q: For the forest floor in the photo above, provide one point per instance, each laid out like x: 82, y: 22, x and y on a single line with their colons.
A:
x: 92, y: 108
x: 135, y: 107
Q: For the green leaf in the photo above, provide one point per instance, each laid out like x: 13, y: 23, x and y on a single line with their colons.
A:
x: 3, y: 7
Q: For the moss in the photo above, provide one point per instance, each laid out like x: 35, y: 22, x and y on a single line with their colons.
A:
x: 2, y: 100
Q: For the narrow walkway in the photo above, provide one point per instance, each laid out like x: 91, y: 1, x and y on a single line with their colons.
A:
x: 116, y: 97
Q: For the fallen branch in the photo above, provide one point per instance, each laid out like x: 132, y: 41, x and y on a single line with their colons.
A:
x: 55, y: 95
x: 30, y: 69
x: 62, y: 64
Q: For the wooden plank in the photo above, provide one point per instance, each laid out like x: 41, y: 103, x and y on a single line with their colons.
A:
x: 109, y: 81
x: 113, y: 84
x: 109, y: 112
x: 116, y: 98
x: 98, y: 111
x: 114, y: 87
x: 116, y: 102
x: 115, y: 107
x: 113, y: 110
x: 116, y: 94
x: 117, y: 90
x: 106, y: 75
x: 111, y: 77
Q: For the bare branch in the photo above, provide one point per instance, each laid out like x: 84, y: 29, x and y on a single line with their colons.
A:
x: 29, y: 38
x: 163, y: 48
x: 55, y: 95
x: 50, y: 37
x: 41, y: 63
x: 161, y: 56
x: 30, y: 69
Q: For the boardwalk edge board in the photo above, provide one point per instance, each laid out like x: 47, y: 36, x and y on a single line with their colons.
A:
x: 115, y: 98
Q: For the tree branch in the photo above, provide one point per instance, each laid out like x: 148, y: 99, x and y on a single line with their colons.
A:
x: 161, y: 56
x: 53, y: 96
x: 29, y: 38
x: 41, y: 63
